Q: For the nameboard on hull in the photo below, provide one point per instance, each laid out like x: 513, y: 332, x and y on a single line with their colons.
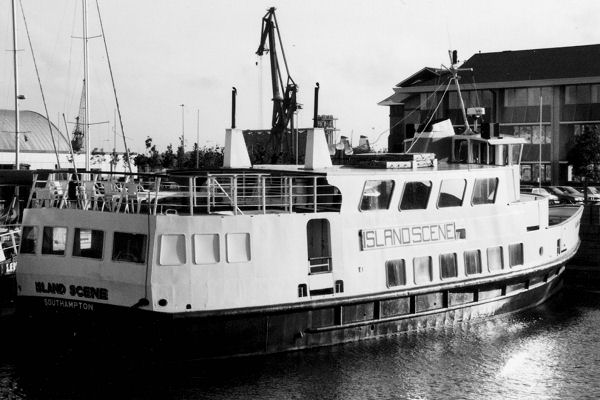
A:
x: 381, y: 238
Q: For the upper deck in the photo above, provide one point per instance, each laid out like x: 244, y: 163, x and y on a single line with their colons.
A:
x: 260, y: 190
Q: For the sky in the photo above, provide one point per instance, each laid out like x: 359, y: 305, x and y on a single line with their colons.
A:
x: 165, y: 53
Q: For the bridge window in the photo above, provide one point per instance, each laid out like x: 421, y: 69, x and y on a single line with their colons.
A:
x: 452, y: 193
x: 484, y: 191
x: 172, y: 250
x: 396, y: 273
x: 207, y: 249
x: 376, y: 195
x: 472, y: 262
x: 238, y: 247
x: 28, y: 239
x: 422, y: 270
x: 88, y: 243
x: 129, y: 247
x: 495, y: 258
x: 515, y: 254
x: 415, y: 195
x: 54, y: 240
x: 448, y: 266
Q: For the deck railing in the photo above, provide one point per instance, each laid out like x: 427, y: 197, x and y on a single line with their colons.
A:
x: 209, y: 193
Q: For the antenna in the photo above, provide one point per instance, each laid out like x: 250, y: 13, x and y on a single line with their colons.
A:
x: 453, y: 54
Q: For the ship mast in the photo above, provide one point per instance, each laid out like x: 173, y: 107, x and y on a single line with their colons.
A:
x: 454, y: 71
x: 86, y: 126
x: 16, y: 77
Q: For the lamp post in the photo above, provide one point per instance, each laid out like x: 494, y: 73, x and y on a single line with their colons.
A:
x: 183, y: 127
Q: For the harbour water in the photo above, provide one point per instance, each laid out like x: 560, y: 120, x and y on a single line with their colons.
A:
x: 550, y: 352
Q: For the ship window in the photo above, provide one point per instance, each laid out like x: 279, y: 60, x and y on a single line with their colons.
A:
x: 415, y: 195
x: 207, y: 249
x: 448, y: 266
x: 515, y: 254
x: 396, y: 273
x: 238, y: 247
x: 452, y: 193
x: 28, y: 239
x: 129, y: 247
x: 422, y: 270
x: 472, y: 262
x: 484, y: 191
x: 54, y: 240
x: 172, y: 250
x: 376, y: 195
x: 88, y: 243
x: 495, y: 259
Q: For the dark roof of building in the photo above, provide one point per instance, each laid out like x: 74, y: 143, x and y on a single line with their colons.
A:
x: 522, y: 65
x: 35, y: 136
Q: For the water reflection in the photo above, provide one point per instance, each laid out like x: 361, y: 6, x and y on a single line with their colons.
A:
x: 552, y: 351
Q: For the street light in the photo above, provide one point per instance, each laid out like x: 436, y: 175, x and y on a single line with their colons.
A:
x: 182, y: 127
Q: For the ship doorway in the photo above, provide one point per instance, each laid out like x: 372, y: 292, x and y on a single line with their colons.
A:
x: 318, y: 240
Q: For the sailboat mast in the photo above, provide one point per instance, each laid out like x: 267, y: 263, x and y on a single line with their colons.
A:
x: 16, y: 76
x: 86, y: 126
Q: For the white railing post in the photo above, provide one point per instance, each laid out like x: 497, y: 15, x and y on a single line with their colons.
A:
x: 291, y: 190
x: 263, y: 180
x: 191, y: 194
x: 315, y: 193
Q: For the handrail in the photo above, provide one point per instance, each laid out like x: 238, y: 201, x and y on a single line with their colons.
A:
x: 220, y: 193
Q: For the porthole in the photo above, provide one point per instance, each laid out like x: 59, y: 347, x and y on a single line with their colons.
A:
x: 541, y: 251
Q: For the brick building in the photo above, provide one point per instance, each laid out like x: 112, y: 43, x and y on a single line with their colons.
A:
x: 509, y: 85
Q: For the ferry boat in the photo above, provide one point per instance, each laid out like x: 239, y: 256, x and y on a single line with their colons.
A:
x: 263, y: 259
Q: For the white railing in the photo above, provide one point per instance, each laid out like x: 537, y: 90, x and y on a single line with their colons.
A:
x: 210, y: 193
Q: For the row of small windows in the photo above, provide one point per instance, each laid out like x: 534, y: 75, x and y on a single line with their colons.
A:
x: 423, y: 267
x: 132, y: 247
x: 88, y: 243
x: 377, y: 194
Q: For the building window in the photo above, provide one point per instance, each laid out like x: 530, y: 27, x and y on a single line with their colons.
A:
x: 54, y: 240
x: 376, y: 195
x: 422, y: 270
x: 578, y: 94
x: 396, y: 273
x: 495, y: 258
x: 129, y: 247
x: 515, y: 254
x: 452, y: 193
x: 448, y: 266
x: 415, y: 195
x: 484, y: 191
x: 595, y: 94
x: 472, y: 262
x: 88, y: 243
x: 339, y: 286
x: 531, y: 133
x: 28, y: 239
x: 172, y: 250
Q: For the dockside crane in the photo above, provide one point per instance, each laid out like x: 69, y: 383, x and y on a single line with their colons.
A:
x: 284, y: 100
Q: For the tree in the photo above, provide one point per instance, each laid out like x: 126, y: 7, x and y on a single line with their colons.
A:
x: 168, y: 157
x: 584, y: 156
x: 150, y: 160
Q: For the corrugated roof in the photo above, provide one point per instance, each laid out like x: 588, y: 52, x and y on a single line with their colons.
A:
x: 528, y: 65
x: 35, y: 135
